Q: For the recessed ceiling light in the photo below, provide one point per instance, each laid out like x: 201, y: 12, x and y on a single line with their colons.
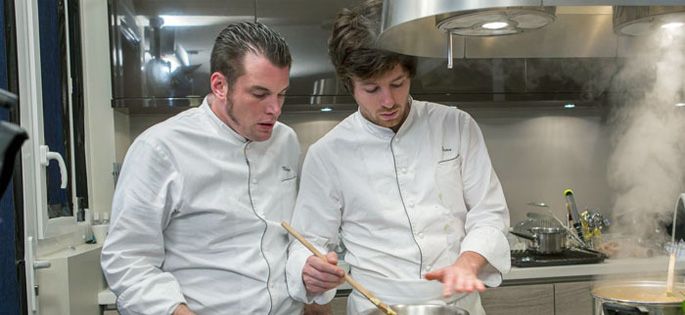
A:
x: 672, y: 25
x: 570, y: 105
x: 495, y: 25
x: 326, y: 109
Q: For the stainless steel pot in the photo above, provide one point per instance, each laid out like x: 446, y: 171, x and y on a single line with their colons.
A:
x: 546, y: 240
x: 422, y: 310
x: 637, y: 297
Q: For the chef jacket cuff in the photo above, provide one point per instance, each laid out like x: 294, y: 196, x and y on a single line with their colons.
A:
x: 160, y: 298
x: 492, y: 244
x: 296, y: 260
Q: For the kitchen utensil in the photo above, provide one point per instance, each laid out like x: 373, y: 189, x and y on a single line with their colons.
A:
x: 546, y: 240
x: 637, y: 297
x: 422, y: 310
x: 573, y: 210
x: 356, y: 285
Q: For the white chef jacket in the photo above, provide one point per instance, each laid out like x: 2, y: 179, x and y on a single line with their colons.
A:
x: 404, y: 204
x: 196, y: 219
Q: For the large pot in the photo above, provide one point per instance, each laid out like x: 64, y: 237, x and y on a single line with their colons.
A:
x: 422, y: 310
x: 546, y: 240
x: 637, y: 298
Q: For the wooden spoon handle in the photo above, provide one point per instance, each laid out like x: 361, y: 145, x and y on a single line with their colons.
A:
x: 356, y: 285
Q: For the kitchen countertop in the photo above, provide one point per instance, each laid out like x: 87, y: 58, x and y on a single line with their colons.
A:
x: 548, y: 274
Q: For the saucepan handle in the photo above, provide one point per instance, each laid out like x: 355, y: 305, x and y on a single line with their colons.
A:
x: 620, y: 309
x: 526, y: 236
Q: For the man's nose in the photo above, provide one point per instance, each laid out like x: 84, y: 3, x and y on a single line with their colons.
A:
x: 386, y: 99
x: 274, y: 106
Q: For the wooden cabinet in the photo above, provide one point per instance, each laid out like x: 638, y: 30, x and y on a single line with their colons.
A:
x: 519, y: 300
x: 539, y: 299
x: 572, y: 298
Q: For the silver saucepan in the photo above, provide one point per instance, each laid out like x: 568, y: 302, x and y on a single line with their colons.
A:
x: 422, y: 310
x: 637, y: 297
x: 546, y: 240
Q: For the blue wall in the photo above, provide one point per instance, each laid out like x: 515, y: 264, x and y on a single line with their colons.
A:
x: 9, y: 285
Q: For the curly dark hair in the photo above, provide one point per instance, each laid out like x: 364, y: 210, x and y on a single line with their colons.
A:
x: 236, y: 40
x: 353, y: 45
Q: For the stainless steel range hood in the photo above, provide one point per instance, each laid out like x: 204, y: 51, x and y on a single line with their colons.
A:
x: 574, y: 29
x: 562, y: 51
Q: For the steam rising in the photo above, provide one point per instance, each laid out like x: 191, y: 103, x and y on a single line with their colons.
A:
x: 647, y: 165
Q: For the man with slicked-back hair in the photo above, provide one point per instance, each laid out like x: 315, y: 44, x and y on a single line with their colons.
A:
x: 196, y: 211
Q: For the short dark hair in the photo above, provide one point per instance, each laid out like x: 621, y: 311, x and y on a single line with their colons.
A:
x: 236, y: 40
x: 353, y: 45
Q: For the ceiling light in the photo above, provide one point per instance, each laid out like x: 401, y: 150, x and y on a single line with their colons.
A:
x: 495, y: 21
x: 672, y: 25
x: 194, y: 20
x: 642, y: 20
x: 495, y: 25
x: 570, y: 105
x: 682, y: 104
x: 326, y: 109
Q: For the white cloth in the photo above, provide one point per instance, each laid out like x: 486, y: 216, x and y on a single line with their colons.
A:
x: 196, y: 219
x: 404, y: 204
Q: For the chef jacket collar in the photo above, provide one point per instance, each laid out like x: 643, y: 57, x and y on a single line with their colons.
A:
x: 384, y: 132
x: 220, y: 126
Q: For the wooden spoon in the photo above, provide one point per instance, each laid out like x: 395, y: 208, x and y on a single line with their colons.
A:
x: 356, y: 285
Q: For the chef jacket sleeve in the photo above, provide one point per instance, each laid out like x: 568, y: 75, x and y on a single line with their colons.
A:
x: 317, y: 218
x: 133, y: 252
x: 487, y: 219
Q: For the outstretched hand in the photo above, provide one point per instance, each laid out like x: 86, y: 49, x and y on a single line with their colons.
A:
x: 462, y: 276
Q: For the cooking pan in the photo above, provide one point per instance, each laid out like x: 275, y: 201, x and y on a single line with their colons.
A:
x: 637, y: 297
x: 421, y: 310
x: 546, y: 240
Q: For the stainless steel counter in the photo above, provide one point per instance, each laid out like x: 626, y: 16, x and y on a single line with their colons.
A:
x: 608, y: 269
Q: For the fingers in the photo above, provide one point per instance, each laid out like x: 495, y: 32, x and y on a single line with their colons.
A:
x: 468, y: 284
x: 464, y: 284
x: 448, y: 282
x: 320, y: 276
x: 332, y: 258
x: 435, y: 275
x: 456, y: 280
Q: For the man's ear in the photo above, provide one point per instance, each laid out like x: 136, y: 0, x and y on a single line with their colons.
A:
x: 219, y: 85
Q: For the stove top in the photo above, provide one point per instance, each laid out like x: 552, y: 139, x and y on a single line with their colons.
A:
x: 570, y: 256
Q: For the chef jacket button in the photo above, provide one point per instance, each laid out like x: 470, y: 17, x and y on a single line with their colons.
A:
x: 428, y: 267
x: 403, y: 170
x: 411, y: 204
x: 254, y: 181
x: 420, y: 235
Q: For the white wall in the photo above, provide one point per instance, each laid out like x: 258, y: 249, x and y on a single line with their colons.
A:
x: 99, y: 116
x: 537, y: 154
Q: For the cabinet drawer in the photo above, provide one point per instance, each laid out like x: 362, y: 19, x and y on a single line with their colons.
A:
x: 535, y: 299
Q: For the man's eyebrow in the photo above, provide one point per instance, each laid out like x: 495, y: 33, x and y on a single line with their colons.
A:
x: 401, y: 76
x: 259, y: 88
x: 372, y: 81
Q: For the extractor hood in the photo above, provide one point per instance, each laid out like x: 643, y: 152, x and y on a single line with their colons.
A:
x: 549, y: 53
x: 527, y: 28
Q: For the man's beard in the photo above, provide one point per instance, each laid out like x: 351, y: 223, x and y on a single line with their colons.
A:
x: 229, y: 111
